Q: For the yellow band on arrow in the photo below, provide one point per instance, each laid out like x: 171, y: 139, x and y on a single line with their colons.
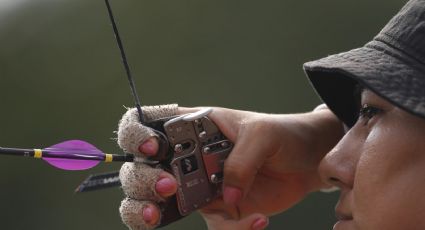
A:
x: 38, y: 153
x: 108, y: 158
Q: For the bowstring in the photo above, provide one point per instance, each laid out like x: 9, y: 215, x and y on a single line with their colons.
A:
x: 125, y: 63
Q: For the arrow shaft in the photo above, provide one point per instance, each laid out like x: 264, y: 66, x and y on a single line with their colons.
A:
x: 17, y: 152
x: 65, y: 154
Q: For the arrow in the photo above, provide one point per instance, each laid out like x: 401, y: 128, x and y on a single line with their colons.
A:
x: 70, y: 155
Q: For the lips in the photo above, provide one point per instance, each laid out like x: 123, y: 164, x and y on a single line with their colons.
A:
x: 343, y: 207
x: 344, y: 217
x: 347, y: 224
x: 343, y: 214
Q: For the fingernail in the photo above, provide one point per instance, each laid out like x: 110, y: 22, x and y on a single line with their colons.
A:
x: 165, y: 186
x: 148, y: 148
x: 260, y: 224
x: 231, y: 195
x: 148, y: 214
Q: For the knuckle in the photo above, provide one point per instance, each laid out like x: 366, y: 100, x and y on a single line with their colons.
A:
x: 159, y: 111
x: 259, y: 125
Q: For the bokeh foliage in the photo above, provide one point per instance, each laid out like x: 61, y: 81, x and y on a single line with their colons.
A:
x: 61, y: 78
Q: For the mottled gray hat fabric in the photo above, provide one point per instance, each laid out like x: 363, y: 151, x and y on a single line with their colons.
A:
x: 392, y: 66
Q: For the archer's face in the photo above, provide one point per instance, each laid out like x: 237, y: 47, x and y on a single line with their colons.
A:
x: 379, y: 167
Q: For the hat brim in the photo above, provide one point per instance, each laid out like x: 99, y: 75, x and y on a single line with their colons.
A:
x: 384, y: 70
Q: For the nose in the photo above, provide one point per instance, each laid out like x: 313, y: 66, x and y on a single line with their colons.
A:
x: 338, y: 167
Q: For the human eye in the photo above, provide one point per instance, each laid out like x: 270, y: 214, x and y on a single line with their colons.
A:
x: 368, y: 112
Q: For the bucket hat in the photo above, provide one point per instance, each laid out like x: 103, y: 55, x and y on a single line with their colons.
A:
x: 392, y: 65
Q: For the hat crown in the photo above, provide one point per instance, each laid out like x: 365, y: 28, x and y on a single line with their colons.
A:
x: 406, y: 30
x: 392, y: 66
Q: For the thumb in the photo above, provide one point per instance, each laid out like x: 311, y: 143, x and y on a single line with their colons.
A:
x: 216, y: 221
x: 242, y: 165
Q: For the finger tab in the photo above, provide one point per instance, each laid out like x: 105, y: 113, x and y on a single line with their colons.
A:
x: 139, y: 180
x: 131, y: 212
x: 131, y: 135
x: 159, y: 111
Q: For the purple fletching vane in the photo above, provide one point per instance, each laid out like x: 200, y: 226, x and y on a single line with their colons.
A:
x: 86, y: 155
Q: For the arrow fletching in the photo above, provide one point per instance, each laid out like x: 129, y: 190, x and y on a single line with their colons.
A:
x: 87, y: 156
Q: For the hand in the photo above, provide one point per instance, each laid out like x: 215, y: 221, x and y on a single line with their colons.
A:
x: 272, y: 166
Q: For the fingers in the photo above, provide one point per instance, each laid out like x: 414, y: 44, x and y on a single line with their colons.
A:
x: 142, y: 182
x: 166, y: 186
x: 243, y: 163
x: 243, y: 128
x: 140, y: 215
x: 145, y: 188
x: 131, y: 133
x: 228, y: 120
x: 258, y: 223
x: 217, y: 221
x: 150, y: 147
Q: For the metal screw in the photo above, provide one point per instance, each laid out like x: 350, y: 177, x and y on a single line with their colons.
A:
x: 214, y: 179
x: 224, y: 144
x: 207, y: 150
x: 178, y: 148
x: 202, y: 134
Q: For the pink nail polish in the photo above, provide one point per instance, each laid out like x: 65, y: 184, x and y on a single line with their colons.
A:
x: 231, y: 195
x: 148, y: 214
x: 165, y: 186
x: 260, y: 224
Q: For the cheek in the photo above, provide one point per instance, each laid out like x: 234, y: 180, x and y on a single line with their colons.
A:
x: 389, y: 184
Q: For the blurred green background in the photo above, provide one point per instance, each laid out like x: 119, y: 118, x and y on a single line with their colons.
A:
x: 61, y: 78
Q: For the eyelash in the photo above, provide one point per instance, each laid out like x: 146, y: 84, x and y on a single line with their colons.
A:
x: 368, y: 111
